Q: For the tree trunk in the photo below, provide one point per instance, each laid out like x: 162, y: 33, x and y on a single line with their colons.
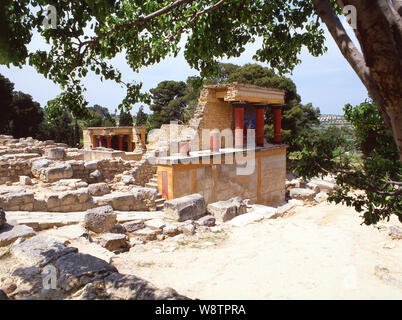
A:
x: 379, y: 32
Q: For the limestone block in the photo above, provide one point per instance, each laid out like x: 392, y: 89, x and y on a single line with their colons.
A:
x: 113, y: 241
x: 206, y: 221
x: 325, y: 186
x: 185, y: 208
x: 147, y: 234
x: 40, y: 250
x: 395, y: 232
x: 225, y: 210
x: 98, y: 189
x: 101, y: 219
x: 26, y: 181
x: 302, y: 194
x: 133, y: 226
x: 10, y: 233
x: 55, y: 153
x: 155, y: 224
x: 77, y: 269
x: 64, y: 171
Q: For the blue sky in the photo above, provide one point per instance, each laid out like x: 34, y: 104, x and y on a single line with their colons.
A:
x: 328, y: 82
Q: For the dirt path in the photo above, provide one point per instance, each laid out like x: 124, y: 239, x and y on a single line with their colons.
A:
x: 321, y: 252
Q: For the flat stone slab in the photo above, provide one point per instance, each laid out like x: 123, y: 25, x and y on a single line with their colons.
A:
x: 302, y: 194
x: 245, y: 219
x: 10, y: 233
x: 39, y: 220
x: 40, y: 250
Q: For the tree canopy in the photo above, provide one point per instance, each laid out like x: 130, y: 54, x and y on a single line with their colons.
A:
x: 125, y: 119
x: 89, y: 33
x: 371, y: 164
x: 141, y: 117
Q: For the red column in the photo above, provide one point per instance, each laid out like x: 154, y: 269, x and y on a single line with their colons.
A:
x: 239, y: 125
x: 99, y: 141
x: 109, y: 142
x: 259, y: 126
x: 215, y: 140
x: 277, y: 123
x: 120, y: 143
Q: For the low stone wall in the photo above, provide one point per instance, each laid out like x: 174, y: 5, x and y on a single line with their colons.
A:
x: 11, y: 170
x: 138, y: 199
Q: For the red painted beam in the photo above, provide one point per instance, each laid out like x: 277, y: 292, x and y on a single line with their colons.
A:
x: 259, y: 127
x: 277, y: 124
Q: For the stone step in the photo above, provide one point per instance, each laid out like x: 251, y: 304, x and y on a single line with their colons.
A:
x: 153, y: 180
x: 160, y: 207
x: 151, y: 185
x: 159, y: 201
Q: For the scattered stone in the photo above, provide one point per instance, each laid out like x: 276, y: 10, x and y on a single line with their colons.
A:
x: 40, y: 250
x: 133, y: 226
x: 302, y: 194
x: 147, y: 234
x: 226, y: 210
x: 321, y: 197
x: 171, y: 230
x: 187, y: 228
x: 157, y: 224
x: 98, y: 189
x: 313, y: 187
x: 10, y: 233
x: 118, y: 228
x: 25, y: 181
x: 101, y: 219
x: 206, y: 221
x: 395, y: 232
x: 95, y: 176
x: 3, y: 219
x: 245, y: 219
x: 324, y: 186
x: 113, y: 241
x: 77, y: 269
x: 9, y: 288
x: 184, y: 208
x: 129, y: 287
x: 3, y: 295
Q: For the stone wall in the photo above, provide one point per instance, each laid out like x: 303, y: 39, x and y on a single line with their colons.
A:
x: 265, y: 185
x: 11, y: 170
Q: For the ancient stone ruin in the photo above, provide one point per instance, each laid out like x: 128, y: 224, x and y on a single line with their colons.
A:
x: 58, y: 204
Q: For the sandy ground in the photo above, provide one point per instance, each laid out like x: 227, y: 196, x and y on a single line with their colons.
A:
x: 320, y: 252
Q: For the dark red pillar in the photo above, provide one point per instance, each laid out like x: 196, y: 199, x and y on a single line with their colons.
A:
x: 100, y: 141
x: 259, y: 126
x: 109, y: 142
x: 121, y: 143
x: 277, y: 123
x: 239, y: 125
x: 215, y: 140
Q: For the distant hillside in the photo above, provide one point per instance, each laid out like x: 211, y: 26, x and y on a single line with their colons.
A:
x: 327, y: 120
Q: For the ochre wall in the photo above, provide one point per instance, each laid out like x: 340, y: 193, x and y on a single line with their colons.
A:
x: 266, y: 185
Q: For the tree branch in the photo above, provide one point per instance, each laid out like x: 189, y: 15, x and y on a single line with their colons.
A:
x: 351, y: 54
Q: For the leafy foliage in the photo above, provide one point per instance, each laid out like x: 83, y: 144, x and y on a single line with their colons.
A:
x: 141, y: 117
x: 90, y: 33
x: 370, y: 181
x: 125, y: 119
x: 169, y: 103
